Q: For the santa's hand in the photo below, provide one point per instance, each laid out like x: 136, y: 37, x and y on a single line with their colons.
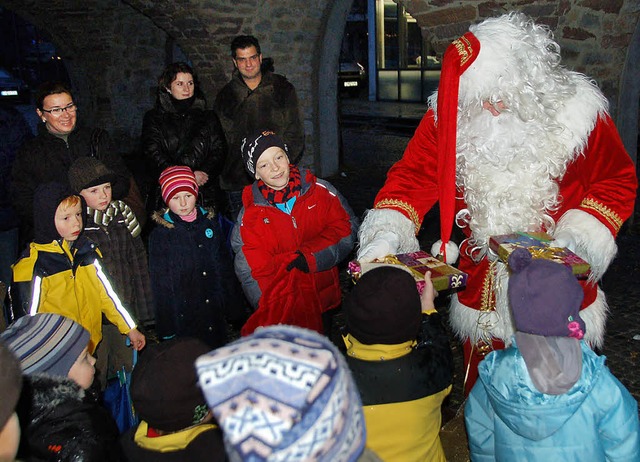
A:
x: 382, y: 245
x: 564, y: 239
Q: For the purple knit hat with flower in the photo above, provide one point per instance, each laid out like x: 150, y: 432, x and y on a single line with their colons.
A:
x: 545, y: 297
x: 545, y: 300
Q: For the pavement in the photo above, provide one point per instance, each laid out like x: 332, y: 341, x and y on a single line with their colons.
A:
x: 374, y: 135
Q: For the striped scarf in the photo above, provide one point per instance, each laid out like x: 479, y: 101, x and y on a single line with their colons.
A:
x: 293, y: 188
x: 104, y: 217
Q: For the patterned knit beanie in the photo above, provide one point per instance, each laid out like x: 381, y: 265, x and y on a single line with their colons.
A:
x: 164, y: 385
x: 284, y: 393
x: 255, y: 144
x: 46, y: 343
x: 177, y: 179
x: 86, y: 172
x: 10, y: 383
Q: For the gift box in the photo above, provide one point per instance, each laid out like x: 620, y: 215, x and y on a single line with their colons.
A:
x: 538, y: 244
x: 417, y: 264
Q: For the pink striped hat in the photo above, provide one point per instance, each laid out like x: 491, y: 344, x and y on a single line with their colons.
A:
x: 177, y: 179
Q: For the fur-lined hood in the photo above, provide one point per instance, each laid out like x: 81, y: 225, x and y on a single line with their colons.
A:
x: 49, y: 392
x: 167, y: 218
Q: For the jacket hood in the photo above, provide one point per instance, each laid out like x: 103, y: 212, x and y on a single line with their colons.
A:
x: 48, y: 392
x: 168, y: 219
x: 511, y: 393
x: 46, y: 199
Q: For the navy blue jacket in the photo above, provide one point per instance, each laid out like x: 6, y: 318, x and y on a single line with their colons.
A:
x: 194, y: 285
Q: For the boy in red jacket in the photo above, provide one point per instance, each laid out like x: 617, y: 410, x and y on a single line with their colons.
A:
x: 293, y: 231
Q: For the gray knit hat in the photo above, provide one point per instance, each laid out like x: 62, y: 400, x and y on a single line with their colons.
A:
x: 86, y: 172
x: 46, y: 343
x: 10, y: 383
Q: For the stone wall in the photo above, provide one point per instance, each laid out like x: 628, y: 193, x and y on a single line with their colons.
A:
x: 114, y: 50
x: 593, y: 34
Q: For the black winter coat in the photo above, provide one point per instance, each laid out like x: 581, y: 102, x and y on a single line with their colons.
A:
x: 47, y: 158
x: 193, y: 138
x: 273, y: 105
x: 61, y: 423
x: 192, y: 278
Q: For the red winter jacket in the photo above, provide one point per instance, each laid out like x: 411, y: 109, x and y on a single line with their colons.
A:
x: 322, y: 226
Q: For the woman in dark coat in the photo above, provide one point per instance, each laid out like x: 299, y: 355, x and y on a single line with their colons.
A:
x: 60, y: 141
x: 179, y: 130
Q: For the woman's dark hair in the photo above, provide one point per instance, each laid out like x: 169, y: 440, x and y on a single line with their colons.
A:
x: 170, y: 73
x: 51, y: 88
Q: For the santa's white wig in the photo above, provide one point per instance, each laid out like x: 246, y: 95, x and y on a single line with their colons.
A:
x: 509, y: 166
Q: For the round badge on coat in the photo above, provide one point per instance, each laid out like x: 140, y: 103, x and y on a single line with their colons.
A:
x: 208, y: 232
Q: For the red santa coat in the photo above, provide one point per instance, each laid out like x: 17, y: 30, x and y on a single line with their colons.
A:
x: 321, y: 225
x: 600, y: 182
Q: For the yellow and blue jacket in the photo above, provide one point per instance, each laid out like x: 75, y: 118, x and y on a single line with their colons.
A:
x: 70, y: 281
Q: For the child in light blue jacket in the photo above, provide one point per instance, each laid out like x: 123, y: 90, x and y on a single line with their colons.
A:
x: 548, y: 396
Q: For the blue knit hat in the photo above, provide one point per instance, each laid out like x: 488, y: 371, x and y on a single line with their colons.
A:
x: 10, y: 383
x: 46, y: 343
x: 284, y: 393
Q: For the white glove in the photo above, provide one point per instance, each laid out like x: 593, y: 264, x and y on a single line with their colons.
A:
x: 383, y: 244
x: 564, y: 239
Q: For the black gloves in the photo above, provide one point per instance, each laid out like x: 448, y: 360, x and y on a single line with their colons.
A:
x: 299, y: 262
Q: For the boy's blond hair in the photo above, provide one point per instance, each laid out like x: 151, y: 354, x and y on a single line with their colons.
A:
x: 69, y: 202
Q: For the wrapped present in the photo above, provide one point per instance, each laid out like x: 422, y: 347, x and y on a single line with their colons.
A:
x: 538, y: 244
x: 417, y: 264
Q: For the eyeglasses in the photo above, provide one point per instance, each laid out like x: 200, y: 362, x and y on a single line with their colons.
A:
x: 245, y: 60
x: 57, y: 111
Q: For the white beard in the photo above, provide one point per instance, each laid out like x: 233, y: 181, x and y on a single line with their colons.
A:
x: 509, y: 170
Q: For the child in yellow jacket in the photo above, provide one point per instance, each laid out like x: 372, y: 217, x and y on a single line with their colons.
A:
x: 61, y: 271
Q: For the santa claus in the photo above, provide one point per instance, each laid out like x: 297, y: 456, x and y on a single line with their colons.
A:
x: 512, y: 141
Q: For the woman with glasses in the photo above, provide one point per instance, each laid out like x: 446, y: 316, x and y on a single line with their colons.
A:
x: 180, y: 130
x: 59, y: 142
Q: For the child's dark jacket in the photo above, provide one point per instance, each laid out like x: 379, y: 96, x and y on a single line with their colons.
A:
x: 402, y: 388
x: 192, y: 278
x: 61, y: 423
x: 125, y: 258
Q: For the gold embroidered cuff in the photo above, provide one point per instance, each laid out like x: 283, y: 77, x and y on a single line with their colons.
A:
x: 408, y: 210
x: 612, y: 217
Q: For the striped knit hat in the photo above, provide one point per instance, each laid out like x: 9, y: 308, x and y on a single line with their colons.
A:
x: 10, y: 383
x: 46, y: 343
x: 284, y: 393
x: 177, y: 179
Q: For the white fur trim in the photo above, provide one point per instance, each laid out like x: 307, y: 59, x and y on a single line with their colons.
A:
x: 452, y: 251
x: 595, y: 320
x: 594, y: 241
x: 377, y: 221
x: 471, y: 324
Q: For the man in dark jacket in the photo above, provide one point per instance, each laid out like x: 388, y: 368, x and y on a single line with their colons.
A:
x: 255, y: 98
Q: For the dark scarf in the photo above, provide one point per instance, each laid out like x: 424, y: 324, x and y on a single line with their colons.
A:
x: 293, y: 188
x: 182, y: 105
